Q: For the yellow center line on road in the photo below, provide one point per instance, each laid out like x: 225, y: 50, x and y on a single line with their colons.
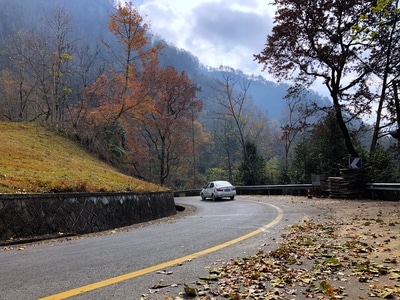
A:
x: 113, y: 280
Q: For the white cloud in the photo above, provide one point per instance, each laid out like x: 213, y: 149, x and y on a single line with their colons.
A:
x: 217, y: 32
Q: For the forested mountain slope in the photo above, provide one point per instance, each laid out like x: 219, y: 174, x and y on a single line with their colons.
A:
x: 155, y: 113
x: 90, y: 19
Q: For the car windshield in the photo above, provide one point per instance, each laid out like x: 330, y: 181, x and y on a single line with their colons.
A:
x: 222, y: 183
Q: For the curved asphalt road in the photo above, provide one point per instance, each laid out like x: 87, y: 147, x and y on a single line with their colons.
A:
x: 127, y: 264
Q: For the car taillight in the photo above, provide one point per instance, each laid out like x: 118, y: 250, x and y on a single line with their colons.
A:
x: 233, y: 188
x: 220, y: 189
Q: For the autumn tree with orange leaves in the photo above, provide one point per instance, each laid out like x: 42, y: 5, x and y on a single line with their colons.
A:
x: 133, y: 34
x: 162, y: 139
x: 139, y: 116
x: 115, y: 97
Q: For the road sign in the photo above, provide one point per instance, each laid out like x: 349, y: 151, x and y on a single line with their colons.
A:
x: 355, y: 163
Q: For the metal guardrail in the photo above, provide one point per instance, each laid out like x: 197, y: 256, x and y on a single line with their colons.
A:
x: 375, y: 188
x: 186, y: 193
x: 264, y: 188
x: 276, y: 187
x: 383, y: 186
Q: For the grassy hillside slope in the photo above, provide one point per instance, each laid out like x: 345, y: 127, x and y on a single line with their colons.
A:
x: 36, y: 160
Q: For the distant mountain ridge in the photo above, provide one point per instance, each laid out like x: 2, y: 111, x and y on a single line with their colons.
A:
x: 267, y: 95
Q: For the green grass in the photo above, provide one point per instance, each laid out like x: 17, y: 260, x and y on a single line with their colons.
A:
x: 36, y: 160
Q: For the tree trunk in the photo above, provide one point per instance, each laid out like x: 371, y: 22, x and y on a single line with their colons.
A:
x: 339, y: 117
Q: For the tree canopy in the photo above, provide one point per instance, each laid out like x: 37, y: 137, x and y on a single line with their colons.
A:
x: 328, y: 48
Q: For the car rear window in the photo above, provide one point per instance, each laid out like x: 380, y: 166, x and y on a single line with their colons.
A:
x: 222, y: 183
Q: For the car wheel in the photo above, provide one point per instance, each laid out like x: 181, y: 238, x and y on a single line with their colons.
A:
x: 202, y: 197
x: 232, y: 197
x: 213, y: 197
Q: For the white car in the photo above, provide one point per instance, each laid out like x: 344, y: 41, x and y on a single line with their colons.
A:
x: 218, y: 189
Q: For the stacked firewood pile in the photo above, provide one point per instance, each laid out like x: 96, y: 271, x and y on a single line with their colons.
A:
x: 350, y: 185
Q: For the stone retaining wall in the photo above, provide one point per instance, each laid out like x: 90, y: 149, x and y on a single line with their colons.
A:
x: 29, y: 215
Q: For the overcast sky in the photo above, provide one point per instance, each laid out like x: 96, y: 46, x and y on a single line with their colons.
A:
x: 218, y: 32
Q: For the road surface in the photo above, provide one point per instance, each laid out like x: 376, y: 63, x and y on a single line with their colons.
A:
x: 131, y: 263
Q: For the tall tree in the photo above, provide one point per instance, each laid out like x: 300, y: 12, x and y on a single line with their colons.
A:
x: 117, y: 97
x: 41, y: 63
x: 165, y: 127
x: 322, y: 151
x: 227, y: 146
x: 379, y: 29
x: 252, y: 169
x: 237, y: 118
x: 62, y: 49
x: 294, y: 122
x: 323, y: 48
x: 133, y: 34
x: 17, y: 96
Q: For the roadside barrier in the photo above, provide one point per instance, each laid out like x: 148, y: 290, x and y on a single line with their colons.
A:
x: 27, y: 216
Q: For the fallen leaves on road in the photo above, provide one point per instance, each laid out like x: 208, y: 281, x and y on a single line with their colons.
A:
x: 313, y: 260
x: 352, y: 253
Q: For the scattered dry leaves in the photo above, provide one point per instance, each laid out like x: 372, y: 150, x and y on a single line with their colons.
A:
x: 351, y: 254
